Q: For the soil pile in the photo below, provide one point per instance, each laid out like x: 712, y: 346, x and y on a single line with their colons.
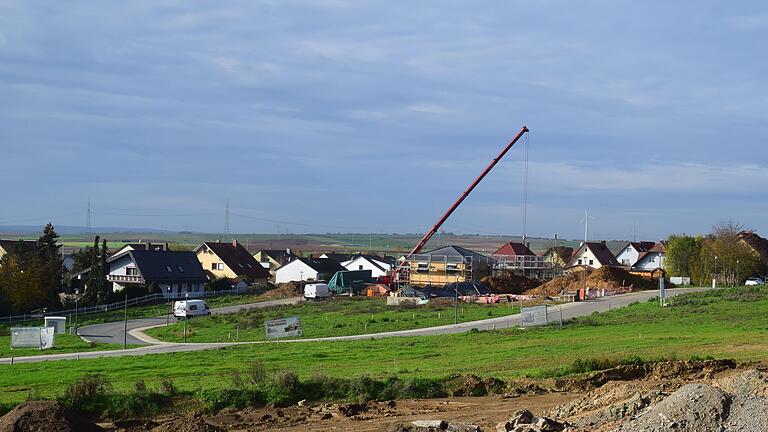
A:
x: 509, y: 283
x: 194, y: 424
x: 614, y: 279
x: 284, y: 290
x: 49, y: 416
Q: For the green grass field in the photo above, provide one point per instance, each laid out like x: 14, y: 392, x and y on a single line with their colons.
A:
x: 340, y: 316
x: 64, y: 343
x: 727, y: 323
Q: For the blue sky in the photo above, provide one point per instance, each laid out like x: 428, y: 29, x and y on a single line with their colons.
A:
x: 370, y: 116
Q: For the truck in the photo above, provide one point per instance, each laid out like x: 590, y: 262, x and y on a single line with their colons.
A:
x: 190, y: 308
x: 316, y: 291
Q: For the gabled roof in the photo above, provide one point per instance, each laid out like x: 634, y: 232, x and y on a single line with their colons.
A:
x: 237, y: 258
x: 757, y: 243
x: 563, y: 252
x: 154, y: 265
x: 642, y: 246
x: 601, y: 252
x: 26, y: 245
x: 339, y: 257
x: 374, y: 261
x: 456, y: 252
x: 282, y: 256
x: 514, y: 249
x: 320, y: 265
x: 660, y: 247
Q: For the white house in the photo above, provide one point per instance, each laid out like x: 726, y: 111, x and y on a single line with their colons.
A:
x: 630, y: 253
x: 379, y: 266
x: 167, y: 272
x: 594, y: 255
x: 651, y: 260
x: 307, y: 269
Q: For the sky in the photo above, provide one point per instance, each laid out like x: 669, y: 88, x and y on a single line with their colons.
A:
x: 373, y: 116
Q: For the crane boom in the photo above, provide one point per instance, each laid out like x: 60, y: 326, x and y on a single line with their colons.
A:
x: 435, y: 227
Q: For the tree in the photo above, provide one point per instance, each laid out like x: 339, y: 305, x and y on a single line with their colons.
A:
x: 725, y: 256
x: 20, y: 280
x: 682, y: 252
x: 51, y: 265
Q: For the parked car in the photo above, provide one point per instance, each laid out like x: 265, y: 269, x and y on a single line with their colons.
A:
x: 190, y: 308
x: 316, y: 291
x: 754, y: 281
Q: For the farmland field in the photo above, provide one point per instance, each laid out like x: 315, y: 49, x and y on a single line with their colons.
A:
x: 725, y: 323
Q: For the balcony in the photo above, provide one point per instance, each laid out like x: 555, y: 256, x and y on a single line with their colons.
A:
x: 125, y: 279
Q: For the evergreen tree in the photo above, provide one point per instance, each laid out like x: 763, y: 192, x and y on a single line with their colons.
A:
x: 104, y: 269
x: 92, y: 283
x: 50, y: 262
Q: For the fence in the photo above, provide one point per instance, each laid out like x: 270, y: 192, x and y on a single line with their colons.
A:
x: 149, y: 298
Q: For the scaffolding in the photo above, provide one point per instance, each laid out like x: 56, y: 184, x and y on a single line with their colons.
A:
x: 426, y: 269
x: 530, y: 266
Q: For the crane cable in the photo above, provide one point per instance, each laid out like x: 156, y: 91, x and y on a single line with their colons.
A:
x: 525, y: 189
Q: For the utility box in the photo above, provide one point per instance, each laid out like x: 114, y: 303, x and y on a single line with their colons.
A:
x: 58, y: 323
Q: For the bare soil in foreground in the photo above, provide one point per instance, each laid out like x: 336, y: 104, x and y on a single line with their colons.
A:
x: 698, y: 396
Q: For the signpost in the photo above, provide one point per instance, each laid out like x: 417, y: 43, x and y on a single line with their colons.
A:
x: 662, y: 292
x: 283, y: 327
x: 533, y: 316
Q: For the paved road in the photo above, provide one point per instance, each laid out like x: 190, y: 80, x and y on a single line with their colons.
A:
x: 569, y: 310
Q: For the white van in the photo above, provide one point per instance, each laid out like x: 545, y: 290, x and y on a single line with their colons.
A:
x: 316, y: 291
x: 190, y: 308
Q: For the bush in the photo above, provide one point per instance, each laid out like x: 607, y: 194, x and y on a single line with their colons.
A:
x: 216, y: 399
x: 168, y: 388
x: 89, y: 394
x: 256, y: 372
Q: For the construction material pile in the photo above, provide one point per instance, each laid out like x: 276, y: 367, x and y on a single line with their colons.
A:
x: 509, y: 283
x: 613, y: 279
x: 284, y: 290
x: 49, y: 416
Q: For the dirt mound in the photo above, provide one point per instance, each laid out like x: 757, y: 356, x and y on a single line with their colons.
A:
x: 187, y: 424
x: 509, y: 283
x: 614, y: 279
x: 49, y: 416
x: 284, y: 290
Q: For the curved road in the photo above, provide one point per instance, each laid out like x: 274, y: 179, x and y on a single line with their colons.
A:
x: 113, y: 332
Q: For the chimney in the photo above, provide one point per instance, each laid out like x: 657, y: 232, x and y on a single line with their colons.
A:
x: 288, y: 251
x: 602, y: 242
x: 234, y: 242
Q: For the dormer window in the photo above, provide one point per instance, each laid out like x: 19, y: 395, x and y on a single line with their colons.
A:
x: 169, y: 269
x: 180, y: 268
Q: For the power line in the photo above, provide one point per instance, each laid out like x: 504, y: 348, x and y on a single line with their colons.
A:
x: 88, y: 218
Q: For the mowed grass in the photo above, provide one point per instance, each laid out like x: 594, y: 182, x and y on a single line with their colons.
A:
x: 338, y: 316
x: 727, y: 323
x: 63, y: 343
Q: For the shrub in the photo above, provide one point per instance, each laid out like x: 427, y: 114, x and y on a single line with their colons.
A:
x: 216, y: 399
x: 256, y: 372
x: 89, y: 394
x: 363, y: 389
x: 168, y: 388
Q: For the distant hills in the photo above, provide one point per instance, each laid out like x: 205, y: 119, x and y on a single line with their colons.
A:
x: 70, y: 230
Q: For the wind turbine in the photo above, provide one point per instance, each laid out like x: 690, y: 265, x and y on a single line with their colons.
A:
x: 586, y: 219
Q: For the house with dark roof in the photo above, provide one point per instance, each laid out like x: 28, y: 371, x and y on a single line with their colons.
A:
x: 631, y: 252
x: 651, y: 260
x: 378, y: 265
x: 558, y: 256
x: 141, y: 246
x: 307, y: 269
x: 758, y: 245
x: 230, y: 261
x: 169, y: 272
x: 448, y: 264
x: 6, y: 246
x: 592, y: 254
x: 338, y: 257
x: 271, y: 259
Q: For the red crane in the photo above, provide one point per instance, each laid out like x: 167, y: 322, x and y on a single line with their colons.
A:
x: 416, y: 249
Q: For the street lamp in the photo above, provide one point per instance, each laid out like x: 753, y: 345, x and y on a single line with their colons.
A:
x: 77, y: 291
x: 714, y: 279
x: 170, y: 307
x: 186, y: 312
x: 738, y: 280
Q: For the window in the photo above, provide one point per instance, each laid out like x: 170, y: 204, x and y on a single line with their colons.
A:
x: 360, y: 267
x: 579, y: 261
x: 221, y: 266
x: 591, y: 262
x: 131, y: 271
x: 181, y: 268
x: 169, y: 269
x: 192, y: 307
x: 213, y: 266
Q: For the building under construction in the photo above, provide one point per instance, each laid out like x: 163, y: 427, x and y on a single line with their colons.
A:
x: 446, y: 265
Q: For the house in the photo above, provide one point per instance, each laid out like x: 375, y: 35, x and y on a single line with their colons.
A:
x: 169, y: 272
x: 448, y: 264
x: 758, y: 245
x: 230, y: 261
x: 651, y: 260
x: 558, y: 256
x: 142, y: 246
x: 592, y: 254
x: 338, y: 257
x: 6, y: 246
x: 307, y: 269
x: 271, y: 259
x: 631, y: 252
x: 519, y: 258
x: 379, y: 266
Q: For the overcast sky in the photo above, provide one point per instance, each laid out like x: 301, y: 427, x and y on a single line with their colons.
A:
x: 361, y: 116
